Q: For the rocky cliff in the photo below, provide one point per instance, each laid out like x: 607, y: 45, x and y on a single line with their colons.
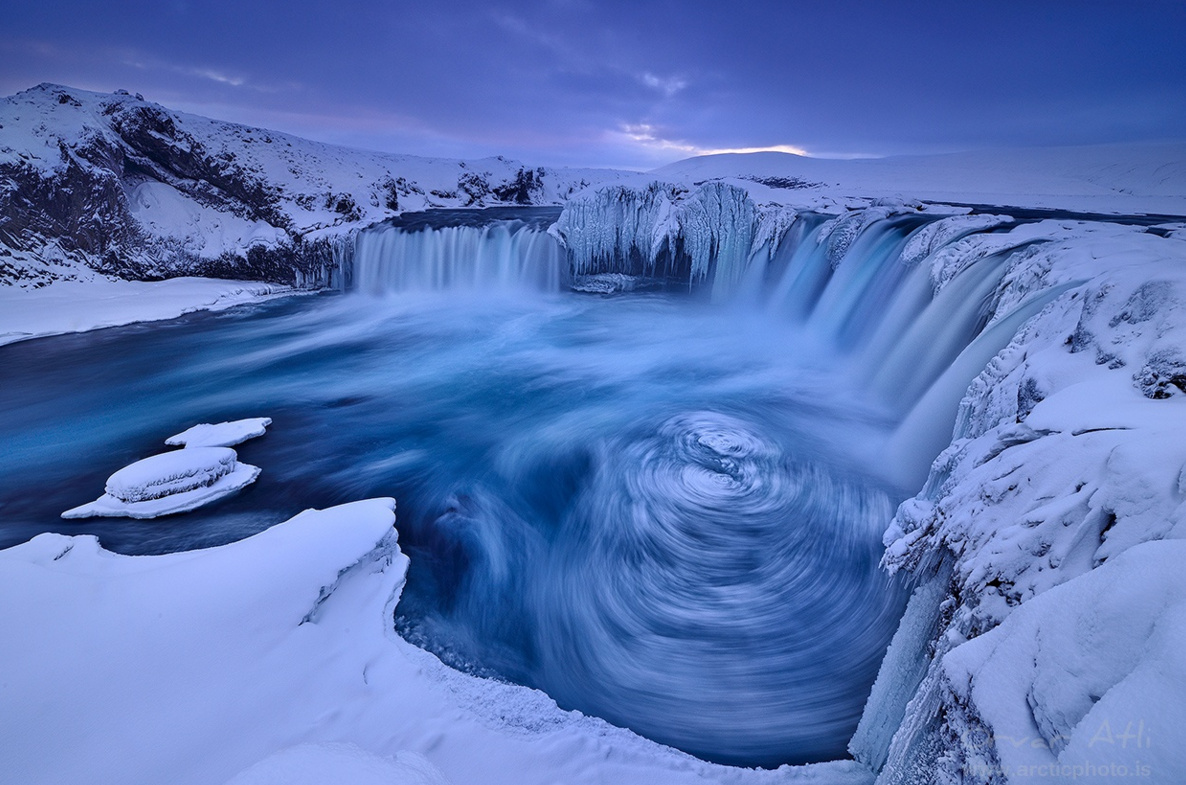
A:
x: 119, y: 186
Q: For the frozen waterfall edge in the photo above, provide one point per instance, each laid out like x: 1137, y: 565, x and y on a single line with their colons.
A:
x: 1089, y: 317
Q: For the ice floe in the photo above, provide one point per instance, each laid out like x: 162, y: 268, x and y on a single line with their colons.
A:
x: 222, y: 434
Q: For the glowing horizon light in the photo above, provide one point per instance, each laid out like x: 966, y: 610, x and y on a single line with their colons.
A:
x: 646, y: 135
x: 777, y: 148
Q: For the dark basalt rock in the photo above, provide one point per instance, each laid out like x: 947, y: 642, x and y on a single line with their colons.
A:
x: 1029, y: 395
x: 83, y: 207
x: 527, y: 184
x: 156, y: 149
x: 80, y: 205
x: 1163, y: 375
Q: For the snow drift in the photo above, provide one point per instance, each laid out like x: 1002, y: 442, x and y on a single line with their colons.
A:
x: 247, y: 661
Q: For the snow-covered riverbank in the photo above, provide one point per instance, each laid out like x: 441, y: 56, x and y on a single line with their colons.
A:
x: 193, y: 667
x: 77, y: 306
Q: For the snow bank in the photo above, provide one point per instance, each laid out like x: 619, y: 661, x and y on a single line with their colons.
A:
x: 251, y: 659
x: 77, y: 306
x: 170, y: 483
x: 1086, y: 683
x: 1053, y: 516
x: 223, y: 434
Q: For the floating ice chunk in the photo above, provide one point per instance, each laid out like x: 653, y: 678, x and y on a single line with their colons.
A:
x: 223, y: 434
x: 170, y: 483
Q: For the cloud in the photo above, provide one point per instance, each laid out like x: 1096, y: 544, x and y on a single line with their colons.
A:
x: 220, y: 76
x: 216, y: 76
x: 647, y: 136
x: 669, y: 86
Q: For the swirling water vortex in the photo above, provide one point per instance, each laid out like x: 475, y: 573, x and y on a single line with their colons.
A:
x: 699, y: 584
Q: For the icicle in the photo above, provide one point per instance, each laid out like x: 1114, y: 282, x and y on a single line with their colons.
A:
x: 662, y: 231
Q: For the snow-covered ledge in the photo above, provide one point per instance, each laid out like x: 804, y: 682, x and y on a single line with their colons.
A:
x: 77, y: 306
x: 1045, y: 642
x: 277, y: 654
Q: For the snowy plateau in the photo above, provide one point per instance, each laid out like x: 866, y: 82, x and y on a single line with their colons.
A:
x: 1045, y: 635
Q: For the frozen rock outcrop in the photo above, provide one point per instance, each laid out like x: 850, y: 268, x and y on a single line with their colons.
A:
x: 170, y: 483
x: 663, y: 231
x: 1049, y: 524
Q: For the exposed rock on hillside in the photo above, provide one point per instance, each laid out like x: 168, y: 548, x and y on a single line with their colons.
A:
x: 116, y: 185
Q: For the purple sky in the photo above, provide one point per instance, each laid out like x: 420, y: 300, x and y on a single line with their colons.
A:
x: 632, y: 84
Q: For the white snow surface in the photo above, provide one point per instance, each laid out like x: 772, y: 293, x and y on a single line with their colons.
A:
x: 78, y: 306
x: 171, y: 472
x: 246, y: 661
x: 1056, y: 514
x: 222, y: 434
x: 169, y: 483
x: 1073, y: 685
x: 339, y: 764
x: 1118, y: 179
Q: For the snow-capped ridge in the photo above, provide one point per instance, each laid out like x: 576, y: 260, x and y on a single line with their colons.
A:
x: 1138, y: 178
x: 116, y: 185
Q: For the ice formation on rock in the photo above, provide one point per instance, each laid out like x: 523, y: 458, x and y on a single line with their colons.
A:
x: 1046, y: 526
x: 170, y: 483
x: 662, y: 230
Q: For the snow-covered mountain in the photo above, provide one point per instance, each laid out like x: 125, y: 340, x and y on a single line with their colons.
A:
x: 121, y: 186
x: 116, y: 185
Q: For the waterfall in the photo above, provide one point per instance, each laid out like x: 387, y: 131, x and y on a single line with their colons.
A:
x: 509, y: 255
x: 670, y: 516
x: 905, y: 298
x: 900, y: 296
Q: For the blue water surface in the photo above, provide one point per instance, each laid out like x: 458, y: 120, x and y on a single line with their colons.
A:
x: 659, y: 512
